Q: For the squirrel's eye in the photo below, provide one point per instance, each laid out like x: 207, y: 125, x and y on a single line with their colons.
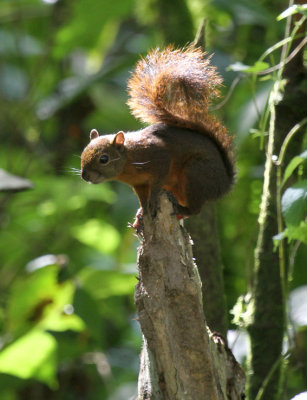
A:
x: 104, y: 159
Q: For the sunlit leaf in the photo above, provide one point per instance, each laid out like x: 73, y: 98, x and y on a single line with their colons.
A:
x: 61, y: 314
x: 294, y: 9
x: 242, y: 311
x: 238, y: 66
x: 297, y: 232
x: 257, y: 67
x: 31, y: 356
x: 30, y: 297
x: 293, y: 164
x: 39, y: 299
x: 97, y: 234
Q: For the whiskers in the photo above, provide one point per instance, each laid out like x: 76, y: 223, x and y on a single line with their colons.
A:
x: 74, y: 171
x: 77, y: 171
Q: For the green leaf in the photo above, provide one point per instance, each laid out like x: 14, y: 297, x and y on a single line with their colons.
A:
x: 293, y: 164
x: 296, y: 8
x: 243, y: 311
x: 30, y: 297
x: 294, y: 203
x: 292, y: 233
x: 31, y: 356
x: 40, y: 300
x: 238, y: 66
x: 257, y: 67
x: 103, y: 284
x: 97, y: 234
x: 61, y: 315
x: 257, y: 133
x: 298, y: 232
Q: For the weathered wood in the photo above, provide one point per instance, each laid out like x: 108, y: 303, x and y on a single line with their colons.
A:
x: 180, y: 358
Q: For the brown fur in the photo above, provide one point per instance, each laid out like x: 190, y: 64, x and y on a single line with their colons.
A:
x: 175, y: 87
x: 186, y: 151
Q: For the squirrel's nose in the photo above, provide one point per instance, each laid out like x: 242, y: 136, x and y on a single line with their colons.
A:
x: 85, y: 175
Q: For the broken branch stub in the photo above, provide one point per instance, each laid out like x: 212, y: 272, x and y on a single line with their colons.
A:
x: 180, y: 359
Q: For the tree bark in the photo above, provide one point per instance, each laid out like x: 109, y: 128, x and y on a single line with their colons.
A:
x: 180, y: 359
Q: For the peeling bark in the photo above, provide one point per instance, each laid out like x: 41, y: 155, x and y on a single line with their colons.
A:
x: 180, y: 359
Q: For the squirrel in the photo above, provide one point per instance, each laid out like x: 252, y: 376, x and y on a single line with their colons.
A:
x: 185, y: 151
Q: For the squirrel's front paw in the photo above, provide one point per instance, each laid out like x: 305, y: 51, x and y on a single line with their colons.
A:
x: 138, y: 224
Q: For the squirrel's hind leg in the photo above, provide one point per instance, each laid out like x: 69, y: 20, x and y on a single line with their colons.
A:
x: 202, y: 181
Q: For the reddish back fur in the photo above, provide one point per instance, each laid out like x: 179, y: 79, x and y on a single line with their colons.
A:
x: 175, y: 87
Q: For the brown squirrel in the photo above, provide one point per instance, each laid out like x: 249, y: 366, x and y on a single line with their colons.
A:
x: 185, y: 151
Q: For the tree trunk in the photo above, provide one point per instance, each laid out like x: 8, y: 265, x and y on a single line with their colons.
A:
x: 206, y: 250
x: 180, y: 358
x: 268, y: 318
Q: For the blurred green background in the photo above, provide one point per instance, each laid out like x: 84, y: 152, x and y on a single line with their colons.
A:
x: 68, y: 258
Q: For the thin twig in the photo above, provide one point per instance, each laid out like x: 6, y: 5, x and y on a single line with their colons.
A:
x: 229, y: 93
x: 287, y: 32
x: 288, y: 59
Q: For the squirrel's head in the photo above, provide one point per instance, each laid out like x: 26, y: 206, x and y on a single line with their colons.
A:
x: 104, y: 157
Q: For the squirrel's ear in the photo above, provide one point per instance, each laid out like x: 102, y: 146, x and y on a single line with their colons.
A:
x: 119, y: 140
x: 94, y: 134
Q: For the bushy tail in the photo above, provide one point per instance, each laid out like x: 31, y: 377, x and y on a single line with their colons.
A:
x: 175, y: 87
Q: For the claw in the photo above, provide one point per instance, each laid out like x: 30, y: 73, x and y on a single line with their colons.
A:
x: 138, y: 224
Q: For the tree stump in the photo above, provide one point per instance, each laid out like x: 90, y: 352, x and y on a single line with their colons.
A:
x: 181, y: 359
